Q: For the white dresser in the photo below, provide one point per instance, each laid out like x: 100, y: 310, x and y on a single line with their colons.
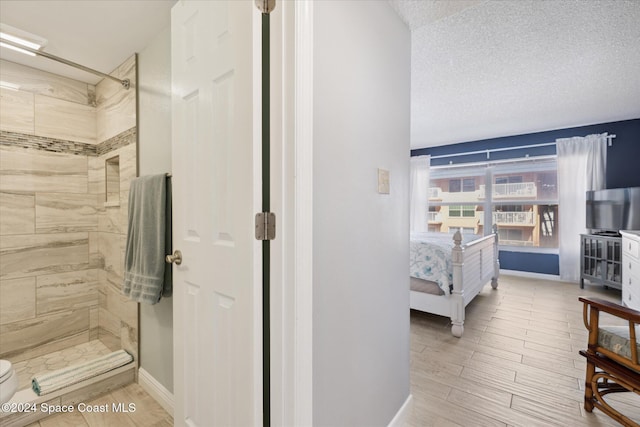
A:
x: 631, y: 269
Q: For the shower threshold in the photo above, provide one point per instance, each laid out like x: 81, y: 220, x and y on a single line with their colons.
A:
x: 80, y: 392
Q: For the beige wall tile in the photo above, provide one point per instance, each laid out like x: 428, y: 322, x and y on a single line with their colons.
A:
x: 96, y: 261
x: 30, y: 170
x: 95, y: 258
x: 112, y: 172
x: 128, y: 167
x: 17, y: 213
x: 28, y: 334
x: 93, y: 322
x: 111, y: 248
x: 59, y: 255
x: 110, y: 221
x: 116, y: 115
x: 109, y: 322
x: 65, y: 212
x: 44, y: 83
x: 118, y: 319
x: 106, y: 89
x: 120, y: 306
x: 129, y: 339
x: 66, y: 291
x: 116, y: 111
x: 114, y: 281
x: 124, y: 212
x: 93, y: 243
x: 33, y: 255
x: 17, y: 299
x: 16, y: 111
x: 60, y: 119
x: 110, y: 340
x: 96, y: 177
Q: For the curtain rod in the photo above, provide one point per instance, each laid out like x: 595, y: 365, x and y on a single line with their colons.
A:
x: 495, y: 162
x: 125, y: 83
x: 520, y: 147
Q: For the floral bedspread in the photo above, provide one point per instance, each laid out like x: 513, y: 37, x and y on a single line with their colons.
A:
x: 430, y: 257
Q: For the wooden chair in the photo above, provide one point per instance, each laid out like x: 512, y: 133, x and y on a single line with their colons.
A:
x: 612, y: 356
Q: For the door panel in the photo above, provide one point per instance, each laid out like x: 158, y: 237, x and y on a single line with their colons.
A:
x: 214, y: 187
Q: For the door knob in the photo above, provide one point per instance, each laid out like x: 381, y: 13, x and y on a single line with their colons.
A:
x: 176, y: 258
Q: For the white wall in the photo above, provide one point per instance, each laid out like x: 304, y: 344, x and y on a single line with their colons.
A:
x: 360, y: 247
x: 154, y: 67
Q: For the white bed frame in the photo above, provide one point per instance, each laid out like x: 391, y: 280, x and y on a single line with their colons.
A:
x: 474, y: 264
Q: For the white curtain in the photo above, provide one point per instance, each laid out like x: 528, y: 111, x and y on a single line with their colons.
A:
x: 581, y: 167
x: 419, y: 189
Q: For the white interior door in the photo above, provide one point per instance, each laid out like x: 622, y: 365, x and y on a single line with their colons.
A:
x: 216, y: 319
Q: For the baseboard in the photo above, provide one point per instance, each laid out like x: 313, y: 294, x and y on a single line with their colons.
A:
x: 402, y: 415
x: 156, y: 390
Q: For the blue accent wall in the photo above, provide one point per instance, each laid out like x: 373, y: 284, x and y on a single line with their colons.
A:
x: 530, y: 262
x: 623, y: 160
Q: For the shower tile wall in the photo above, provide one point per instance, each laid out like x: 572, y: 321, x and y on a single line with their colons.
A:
x: 61, y: 249
x: 116, y: 107
x: 115, y: 129
x: 44, y: 256
x: 118, y: 316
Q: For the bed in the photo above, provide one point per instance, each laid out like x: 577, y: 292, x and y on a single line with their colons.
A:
x: 448, y: 271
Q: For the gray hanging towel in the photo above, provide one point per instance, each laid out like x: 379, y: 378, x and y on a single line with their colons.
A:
x: 144, y: 263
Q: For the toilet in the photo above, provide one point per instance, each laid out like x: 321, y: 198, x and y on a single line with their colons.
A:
x: 8, y: 381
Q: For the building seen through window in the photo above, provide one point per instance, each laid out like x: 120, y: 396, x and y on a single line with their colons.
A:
x: 523, y: 200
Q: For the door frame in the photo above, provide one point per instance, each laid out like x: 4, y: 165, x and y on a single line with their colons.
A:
x: 256, y: 25
x: 292, y: 200
x: 303, y: 217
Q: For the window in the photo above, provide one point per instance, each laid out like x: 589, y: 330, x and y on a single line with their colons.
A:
x: 433, y: 214
x: 511, y: 235
x: 462, y: 211
x: 522, y: 198
x: 468, y: 184
x: 462, y: 185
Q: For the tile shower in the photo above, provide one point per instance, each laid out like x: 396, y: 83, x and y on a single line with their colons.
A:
x: 67, y: 154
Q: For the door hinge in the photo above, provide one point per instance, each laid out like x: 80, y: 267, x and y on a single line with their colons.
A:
x: 265, y: 226
x: 265, y: 6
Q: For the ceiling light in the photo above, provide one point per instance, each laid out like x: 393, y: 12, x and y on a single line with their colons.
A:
x: 14, y: 36
x: 17, y: 49
x: 8, y: 85
x: 20, y: 41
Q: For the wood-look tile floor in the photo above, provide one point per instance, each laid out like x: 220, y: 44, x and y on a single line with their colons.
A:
x: 517, y: 363
x: 147, y: 412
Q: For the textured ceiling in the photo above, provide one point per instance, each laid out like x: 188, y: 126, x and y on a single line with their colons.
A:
x: 483, y: 69
x: 480, y: 69
x: 99, y: 34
